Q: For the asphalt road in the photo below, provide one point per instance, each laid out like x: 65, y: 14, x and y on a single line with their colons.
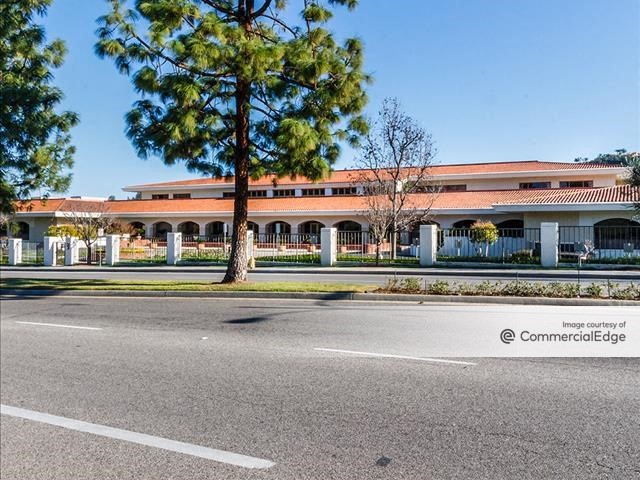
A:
x: 366, y: 276
x: 245, y: 377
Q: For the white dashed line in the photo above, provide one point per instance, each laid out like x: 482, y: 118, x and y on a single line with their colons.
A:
x: 385, y: 355
x: 59, y: 326
x: 139, y: 438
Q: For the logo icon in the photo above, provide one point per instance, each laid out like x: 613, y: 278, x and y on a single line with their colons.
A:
x: 507, y: 335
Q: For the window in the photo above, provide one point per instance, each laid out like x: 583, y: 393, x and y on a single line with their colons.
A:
x: 257, y: 193
x: 228, y: 194
x: 313, y: 192
x: 576, y: 184
x: 181, y: 195
x: 159, y: 196
x: 344, y: 191
x: 284, y: 193
x: 454, y: 188
x: 531, y: 185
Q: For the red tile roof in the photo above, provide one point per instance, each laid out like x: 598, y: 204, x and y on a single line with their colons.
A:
x: 348, y: 176
x: 469, y: 200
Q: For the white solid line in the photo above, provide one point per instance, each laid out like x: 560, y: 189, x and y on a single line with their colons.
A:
x: 139, y: 438
x: 386, y: 355
x: 59, y: 326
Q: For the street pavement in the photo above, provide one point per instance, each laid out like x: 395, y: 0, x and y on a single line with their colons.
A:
x: 243, y: 383
x: 352, y: 275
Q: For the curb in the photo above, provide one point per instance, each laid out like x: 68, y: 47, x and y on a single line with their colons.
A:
x: 369, y: 297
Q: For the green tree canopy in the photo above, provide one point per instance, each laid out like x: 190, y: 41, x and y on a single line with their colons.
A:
x: 618, y: 157
x: 238, y: 87
x: 35, y: 150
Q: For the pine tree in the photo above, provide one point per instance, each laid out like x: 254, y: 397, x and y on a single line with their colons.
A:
x: 235, y: 87
x: 35, y: 150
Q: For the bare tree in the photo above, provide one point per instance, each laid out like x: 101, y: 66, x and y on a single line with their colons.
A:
x: 89, y: 221
x: 395, y: 164
x: 8, y: 224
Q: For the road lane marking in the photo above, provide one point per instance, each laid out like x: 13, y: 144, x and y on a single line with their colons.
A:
x: 386, y: 355
x: 139, y: 438
x: 58, y: 325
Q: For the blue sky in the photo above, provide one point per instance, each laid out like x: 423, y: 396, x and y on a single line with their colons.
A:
x: 492, y: 80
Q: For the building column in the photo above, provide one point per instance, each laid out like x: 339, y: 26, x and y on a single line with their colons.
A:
x: 113, y: 249
x: 15, y: 251
x: 549, y: 244
x: 148, y: 230
x: 328, y: 246
x: 50, y: 251
x: 428, y: 245
x: 174, y: 248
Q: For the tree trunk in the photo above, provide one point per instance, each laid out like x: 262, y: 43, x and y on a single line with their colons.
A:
x: 378, y: 252
x: 394, y: 238
x: 88, y: 254
x: 238, y: 261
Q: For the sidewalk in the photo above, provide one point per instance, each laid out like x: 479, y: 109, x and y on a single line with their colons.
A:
x: 492, y: 272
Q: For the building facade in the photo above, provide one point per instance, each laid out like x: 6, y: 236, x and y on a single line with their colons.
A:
x: 509, y: 194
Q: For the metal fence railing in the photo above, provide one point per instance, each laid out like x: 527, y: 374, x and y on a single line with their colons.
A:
x: 605, y: 244
x: 4, y: 251
x: 512, y: 245
x: 287, y: 247
x: 32, y: 253
x: 143, y: 250
x: 98, y: 254
x: 206, y: 248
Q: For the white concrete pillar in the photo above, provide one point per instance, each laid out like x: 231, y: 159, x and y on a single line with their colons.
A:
x: 174, y: 247
x: 428, y: 245
x: 249, y: 245
x: 148, y: 230
x: 549, y: 244
x: 15, y: 251
x: 113, y: 249
x: 328, y: 246
x: 70, y: 251
x: 50, y: 251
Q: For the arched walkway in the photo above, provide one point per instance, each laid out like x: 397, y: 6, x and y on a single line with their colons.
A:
x: 137, y: 228
x: 511, y: 228
x: 22, y: 231
x: 615, y: 233
x: 278, y: 227
x: 214, y: 229
x: 311, y: 227
x: 189, y: 228
x: 161, y: 229
x: 348, y: 226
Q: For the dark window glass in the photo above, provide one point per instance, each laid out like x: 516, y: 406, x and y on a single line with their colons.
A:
x: 344, y: 191
x: 284, y: 193
x: 576, y: 184
x: 454, y: 188
x: 181, y: 195
x: 160, y: 196
x: 313, y: 192
x: 257, y: 193
x: 530, y: 185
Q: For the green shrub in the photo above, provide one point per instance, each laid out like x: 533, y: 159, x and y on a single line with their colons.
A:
x: 524, y: 257
x: 594, y: 290
x: 411, y: 285
x: 631, y: 292
x: 562, y: 290
x: 439, y: 287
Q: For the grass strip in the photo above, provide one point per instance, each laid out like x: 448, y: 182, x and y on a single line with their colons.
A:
x: 151, y: 285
